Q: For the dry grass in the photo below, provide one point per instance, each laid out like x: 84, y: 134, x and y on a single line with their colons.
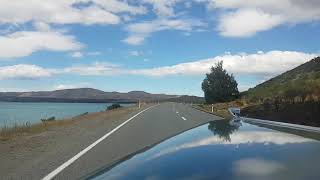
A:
x: 10, y: 132
x: 221, y: 109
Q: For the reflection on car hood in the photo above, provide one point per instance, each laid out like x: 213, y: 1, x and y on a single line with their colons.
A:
x: 224, y: 150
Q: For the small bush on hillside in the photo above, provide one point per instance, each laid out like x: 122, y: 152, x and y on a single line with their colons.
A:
x: 49, y: 119
x: 114, y: 106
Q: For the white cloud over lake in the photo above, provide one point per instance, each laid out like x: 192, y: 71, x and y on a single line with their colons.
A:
x: 24, y: 71
x: 260, y: 64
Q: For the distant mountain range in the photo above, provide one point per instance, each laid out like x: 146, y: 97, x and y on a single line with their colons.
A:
x: 92, y: 95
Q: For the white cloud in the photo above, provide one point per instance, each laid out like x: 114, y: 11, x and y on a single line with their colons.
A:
x: 41, y: 26
x: 164, y: 24
x: 244, y: 23
x: 116, y: 6
x: 96, y: 69
x: 134, y: 39
x: 237, y: 138
x: 163, y: 8
x: 65, y: 11
x: 24, y: 43
x: 139, y: 31
x: 242, y: 18
x: 72, y: 86
x: 95, y: 15
x: 26, y: 71
x: 76, y: 54
x: 23, y: 71
x: 239, y: 18
x: 80, y: 54
x: 259, y: 64
x: 257, y: 168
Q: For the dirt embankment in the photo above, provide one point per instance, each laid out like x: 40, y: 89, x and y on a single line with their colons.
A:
x: 304, y: 113
x: 221, y: 109
x: 33, y: 152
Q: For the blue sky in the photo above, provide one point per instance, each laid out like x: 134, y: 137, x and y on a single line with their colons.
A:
x: 159, y: 46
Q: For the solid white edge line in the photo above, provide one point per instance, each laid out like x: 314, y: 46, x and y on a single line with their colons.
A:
x: 77, y: 156
x: 183, y: 118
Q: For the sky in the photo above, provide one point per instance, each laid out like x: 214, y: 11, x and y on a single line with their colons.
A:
x: 158, y: 46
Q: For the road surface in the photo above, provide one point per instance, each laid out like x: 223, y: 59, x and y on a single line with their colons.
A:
x: 146, y: 129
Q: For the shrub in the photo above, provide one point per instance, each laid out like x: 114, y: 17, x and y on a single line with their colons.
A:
x: 114, y: 106
x: 48, y: 119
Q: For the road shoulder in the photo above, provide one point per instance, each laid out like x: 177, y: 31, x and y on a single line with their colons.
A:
x: 34, y: 155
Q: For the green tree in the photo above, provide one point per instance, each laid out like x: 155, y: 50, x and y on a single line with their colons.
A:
x: 219, y: 86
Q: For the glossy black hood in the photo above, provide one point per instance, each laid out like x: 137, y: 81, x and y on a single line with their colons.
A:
x: 224, y: 150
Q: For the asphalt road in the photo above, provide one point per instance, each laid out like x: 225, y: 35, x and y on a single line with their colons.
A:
x: 147, y: 129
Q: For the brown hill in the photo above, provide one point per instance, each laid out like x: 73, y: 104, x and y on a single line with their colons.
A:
x: 85, y: 95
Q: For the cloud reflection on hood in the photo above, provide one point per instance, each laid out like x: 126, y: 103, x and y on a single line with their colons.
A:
x: 239, y: 137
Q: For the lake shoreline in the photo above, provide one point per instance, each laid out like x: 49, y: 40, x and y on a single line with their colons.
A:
x: 8, y: 132
x: 63, y: 100
x: 21, y: 113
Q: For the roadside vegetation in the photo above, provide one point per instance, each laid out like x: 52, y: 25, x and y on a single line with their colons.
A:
x: 293, y: 96
x: 221, y: 109
x: 11, y: 132
x: 219, y: 86
x: 48, y: 119
x: 220, y: 91
x: 297, y: 85
x: 114, y: 106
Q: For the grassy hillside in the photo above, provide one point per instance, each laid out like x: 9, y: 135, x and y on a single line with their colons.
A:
x: 293, y: 96
x: 301, y: 83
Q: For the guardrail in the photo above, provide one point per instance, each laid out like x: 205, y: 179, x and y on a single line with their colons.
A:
x: 282, y: 124
x: 235, y: 112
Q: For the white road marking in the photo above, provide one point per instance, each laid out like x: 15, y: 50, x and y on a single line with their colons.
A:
x: 184, y: 118
x: 81, y: 153
x: 177, y: 112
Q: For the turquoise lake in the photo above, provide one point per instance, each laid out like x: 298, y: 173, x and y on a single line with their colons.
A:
x: 12, y: 113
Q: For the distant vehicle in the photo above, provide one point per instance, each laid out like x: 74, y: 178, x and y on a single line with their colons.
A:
x: 226, y: 150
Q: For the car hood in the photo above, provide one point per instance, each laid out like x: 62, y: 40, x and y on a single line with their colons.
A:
x: 224, y: 150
